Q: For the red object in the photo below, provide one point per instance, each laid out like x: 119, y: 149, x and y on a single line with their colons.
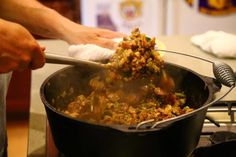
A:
x: 18, y: 97
x: 51, y: 150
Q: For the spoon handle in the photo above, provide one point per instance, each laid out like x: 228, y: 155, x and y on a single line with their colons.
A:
x: 59, y: 59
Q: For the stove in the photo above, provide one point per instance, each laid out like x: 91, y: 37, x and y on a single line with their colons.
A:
x: 219, y: 127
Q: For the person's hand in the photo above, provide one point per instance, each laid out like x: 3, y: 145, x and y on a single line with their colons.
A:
x: 79, y: 34
x: 18, y: 49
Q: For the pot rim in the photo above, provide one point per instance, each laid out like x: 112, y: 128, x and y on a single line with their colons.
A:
x: 124, y: 128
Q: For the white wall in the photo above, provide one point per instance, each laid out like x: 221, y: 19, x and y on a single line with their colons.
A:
x: 162, y: 17
x: 182, y: 19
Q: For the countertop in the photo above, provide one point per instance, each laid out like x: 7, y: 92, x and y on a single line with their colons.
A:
x: 37, y: 130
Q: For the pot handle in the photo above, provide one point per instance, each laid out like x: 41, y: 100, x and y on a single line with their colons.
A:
x: 224, y: 73
x: 213, y: 83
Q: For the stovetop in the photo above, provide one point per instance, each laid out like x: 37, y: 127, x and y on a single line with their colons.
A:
x: 220, y: 119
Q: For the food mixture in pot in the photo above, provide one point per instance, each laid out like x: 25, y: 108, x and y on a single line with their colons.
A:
x: 134, y: 88
x: 136, y: 57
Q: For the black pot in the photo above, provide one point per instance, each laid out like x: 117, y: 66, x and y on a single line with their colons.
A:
x: 79, y: 138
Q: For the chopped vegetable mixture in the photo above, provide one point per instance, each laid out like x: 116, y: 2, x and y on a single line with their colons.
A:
x: 132, y: 90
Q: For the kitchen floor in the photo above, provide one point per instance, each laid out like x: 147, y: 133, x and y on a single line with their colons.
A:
x: 17, y: 138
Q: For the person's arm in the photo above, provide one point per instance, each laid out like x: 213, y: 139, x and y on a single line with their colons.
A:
x: 47, y: 22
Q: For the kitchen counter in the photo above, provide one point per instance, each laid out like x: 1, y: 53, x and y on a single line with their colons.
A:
x: 37, y: 130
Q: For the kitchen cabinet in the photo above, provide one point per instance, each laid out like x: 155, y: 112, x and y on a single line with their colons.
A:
x: 18, y: 97
x: 68, y: 8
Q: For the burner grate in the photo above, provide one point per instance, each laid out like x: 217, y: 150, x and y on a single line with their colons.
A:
x: 222, y: 112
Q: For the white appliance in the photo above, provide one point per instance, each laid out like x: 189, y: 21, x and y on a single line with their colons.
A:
x: 153, y: 17
x: 124, y: 15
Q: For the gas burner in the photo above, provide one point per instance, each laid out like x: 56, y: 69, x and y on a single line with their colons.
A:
x: 222, y: 136
x: 223, y: 144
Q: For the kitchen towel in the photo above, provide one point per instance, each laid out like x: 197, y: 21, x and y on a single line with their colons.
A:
x: 91, y: 52
x: 96, y: 53
x: 218, y: 43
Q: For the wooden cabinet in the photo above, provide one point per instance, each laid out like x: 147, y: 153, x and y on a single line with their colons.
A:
x: 18, y: 98
x: 67, y: 8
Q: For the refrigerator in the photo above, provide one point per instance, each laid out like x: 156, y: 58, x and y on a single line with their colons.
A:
x: 160, y: 17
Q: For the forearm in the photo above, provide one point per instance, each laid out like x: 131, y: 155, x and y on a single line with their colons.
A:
x: 35, y: 17
x: 43, y: 21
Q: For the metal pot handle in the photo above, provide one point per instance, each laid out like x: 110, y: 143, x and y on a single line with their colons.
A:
x: 222, y: 72
x: 213, y: 83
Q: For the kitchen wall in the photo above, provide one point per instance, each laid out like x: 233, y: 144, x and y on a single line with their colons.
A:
x: 185, y: 19
x: 159, y: 17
